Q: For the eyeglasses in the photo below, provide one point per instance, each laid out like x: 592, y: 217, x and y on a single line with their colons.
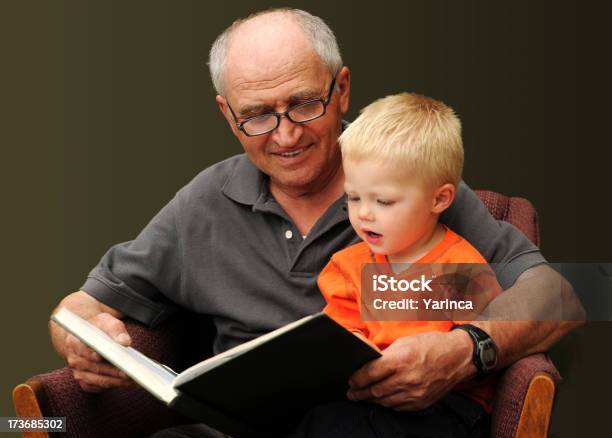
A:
x: 301, y: 113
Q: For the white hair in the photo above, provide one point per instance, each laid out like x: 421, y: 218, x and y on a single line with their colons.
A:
x: 315, y: 29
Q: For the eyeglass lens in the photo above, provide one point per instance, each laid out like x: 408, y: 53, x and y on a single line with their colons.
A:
x: 299, y: 114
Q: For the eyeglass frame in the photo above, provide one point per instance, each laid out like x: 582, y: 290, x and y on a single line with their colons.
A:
x: 325, y: 102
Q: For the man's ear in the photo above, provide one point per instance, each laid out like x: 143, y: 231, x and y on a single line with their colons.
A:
x: 443, y: 198
x: 343, y: 84
x: 222, y: 104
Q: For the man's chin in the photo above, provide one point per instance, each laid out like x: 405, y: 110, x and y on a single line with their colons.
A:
x: 299, y: 180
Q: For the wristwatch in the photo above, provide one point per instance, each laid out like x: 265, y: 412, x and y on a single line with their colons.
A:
x: 485, y: 350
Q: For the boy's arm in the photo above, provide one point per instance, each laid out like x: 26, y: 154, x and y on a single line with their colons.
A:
x: 341, y: 295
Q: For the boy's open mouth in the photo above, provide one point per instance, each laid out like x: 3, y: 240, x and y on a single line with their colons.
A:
x: 373, y: 234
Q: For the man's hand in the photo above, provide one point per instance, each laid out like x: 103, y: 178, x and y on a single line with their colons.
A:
x: 89, y: 369
x: 416, y: 371
x: 92, y: 373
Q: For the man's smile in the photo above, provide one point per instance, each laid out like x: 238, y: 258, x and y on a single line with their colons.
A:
x: 292, y: 155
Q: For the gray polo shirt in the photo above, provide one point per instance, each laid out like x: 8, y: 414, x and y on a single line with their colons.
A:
x: 224, y: 247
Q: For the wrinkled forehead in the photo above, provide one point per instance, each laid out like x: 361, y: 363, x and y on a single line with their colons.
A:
x: 270, y: 63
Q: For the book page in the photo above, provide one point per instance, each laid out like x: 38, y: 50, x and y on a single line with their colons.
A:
x: 215, y: 361
x: 166, y: 374
x: 151, y: 375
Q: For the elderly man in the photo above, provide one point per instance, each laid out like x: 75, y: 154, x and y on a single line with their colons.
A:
x: 244, y: 241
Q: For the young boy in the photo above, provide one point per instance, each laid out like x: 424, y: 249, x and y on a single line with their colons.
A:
x: 402, y: 160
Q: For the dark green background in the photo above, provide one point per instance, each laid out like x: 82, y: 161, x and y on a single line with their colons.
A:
x: 106, y: 109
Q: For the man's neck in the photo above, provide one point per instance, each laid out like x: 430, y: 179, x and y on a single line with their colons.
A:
x: 306, y: 205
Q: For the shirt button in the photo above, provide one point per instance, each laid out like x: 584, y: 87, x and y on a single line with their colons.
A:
x: 288, y: 234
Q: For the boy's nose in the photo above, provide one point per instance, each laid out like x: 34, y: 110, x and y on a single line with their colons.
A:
x: 365, y: 212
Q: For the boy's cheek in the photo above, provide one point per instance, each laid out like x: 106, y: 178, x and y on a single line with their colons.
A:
x: 353, y: 224
x: 352, y: 219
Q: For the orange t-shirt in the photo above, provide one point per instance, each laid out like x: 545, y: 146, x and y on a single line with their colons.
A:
x: 340, y: 284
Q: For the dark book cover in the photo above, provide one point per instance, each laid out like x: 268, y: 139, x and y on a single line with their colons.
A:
x: 265, y: 391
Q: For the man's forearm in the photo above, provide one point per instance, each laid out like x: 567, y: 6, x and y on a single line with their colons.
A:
x: 83, y: 305
x: 429, y: 365
x: 532, y: 315
x: 517, y: 339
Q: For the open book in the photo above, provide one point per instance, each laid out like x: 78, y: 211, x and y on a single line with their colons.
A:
x: 260, y: 388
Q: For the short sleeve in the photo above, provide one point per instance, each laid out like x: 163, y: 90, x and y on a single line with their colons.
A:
x: 341, y: 296
x: 499, y: 242
x: 135, y: 277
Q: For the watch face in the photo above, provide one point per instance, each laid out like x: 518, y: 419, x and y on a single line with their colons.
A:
x: 488, y: 355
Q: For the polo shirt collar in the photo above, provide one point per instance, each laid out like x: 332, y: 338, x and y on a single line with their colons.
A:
x: 246, y: 184
x: 249, y: 186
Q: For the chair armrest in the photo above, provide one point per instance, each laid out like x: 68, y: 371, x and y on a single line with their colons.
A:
x: 127, y: 411
x: 524, y: 397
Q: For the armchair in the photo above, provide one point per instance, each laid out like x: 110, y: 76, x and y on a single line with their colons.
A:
x: 522, y: 405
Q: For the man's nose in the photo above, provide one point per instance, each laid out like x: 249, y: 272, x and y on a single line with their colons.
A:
x: 288, y: 133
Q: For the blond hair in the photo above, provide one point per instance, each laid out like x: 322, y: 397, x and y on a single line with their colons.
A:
x: 416, y: 133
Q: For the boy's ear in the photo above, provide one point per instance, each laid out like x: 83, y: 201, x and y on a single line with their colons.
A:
x: 443, y: 198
